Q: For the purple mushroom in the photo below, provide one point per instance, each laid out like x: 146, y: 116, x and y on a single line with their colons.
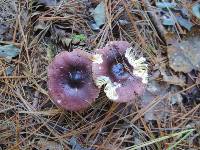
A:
x: 123, y: 75
x: 70, y: 81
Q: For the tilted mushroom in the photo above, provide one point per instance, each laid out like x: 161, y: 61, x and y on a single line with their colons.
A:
x: 117, y: 67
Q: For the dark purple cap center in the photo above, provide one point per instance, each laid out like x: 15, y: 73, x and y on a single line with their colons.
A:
x: 118, y: 67
x: 119, y: 71
x: 76, y: 78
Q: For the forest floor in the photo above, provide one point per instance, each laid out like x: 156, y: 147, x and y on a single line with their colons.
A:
x: 167, y: 33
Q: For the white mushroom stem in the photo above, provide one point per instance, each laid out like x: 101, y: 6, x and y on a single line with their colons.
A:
x: 97, y: 58
x: 110, y: 88
x: 140, y: 68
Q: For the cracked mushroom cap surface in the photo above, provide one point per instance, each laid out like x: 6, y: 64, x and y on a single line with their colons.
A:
x: 70, y: 82
x: 123, y: 75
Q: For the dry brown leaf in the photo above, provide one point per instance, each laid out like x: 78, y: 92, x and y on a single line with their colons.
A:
x: 172, y: 79
x: 184, y: 56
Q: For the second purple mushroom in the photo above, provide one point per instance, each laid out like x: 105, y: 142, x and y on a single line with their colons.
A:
x: 116, y: 67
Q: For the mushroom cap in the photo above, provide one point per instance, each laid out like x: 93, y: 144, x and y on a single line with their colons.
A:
x: 70, y: 81
x: 112, y: 68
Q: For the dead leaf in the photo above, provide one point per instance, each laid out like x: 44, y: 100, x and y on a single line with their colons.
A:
x: 50, y: 145
x: 171, y: 78
x: 9, y: 70
x: 166, y: 5
x: 153, y: 90
x: 99, y: 14
x: 75, y: 145
x: 175, y: 98
x: 48, y: 2
x: 184, y: 22
x: 196, y: 10
x: 184, y: 56
x: 9, y: 51
x: 40, y: 25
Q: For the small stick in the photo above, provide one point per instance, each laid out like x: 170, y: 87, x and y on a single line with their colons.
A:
x: 11, y: 42
x: 156, y: 21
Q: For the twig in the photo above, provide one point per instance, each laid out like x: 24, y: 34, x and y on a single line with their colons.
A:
x: 134, y: 26
x: 156, y: 21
